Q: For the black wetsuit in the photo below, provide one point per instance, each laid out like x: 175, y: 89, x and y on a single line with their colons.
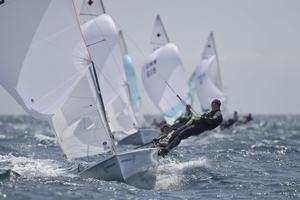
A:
x: 207, y: 121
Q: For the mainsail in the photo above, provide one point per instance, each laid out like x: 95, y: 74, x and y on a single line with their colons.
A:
x: 103, y: 44
x: 90, y: 9
x: 164, y: 78
x: 159, y: 36
x: 205, y: 88
x: 206, y: 79
x: 45, y: 67
x: 214, y: 71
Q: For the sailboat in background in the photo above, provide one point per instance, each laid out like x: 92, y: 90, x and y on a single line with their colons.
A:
x: 54, y: 75
x: 120, y: 91
x: 206, y: 79
x: 163, y: 75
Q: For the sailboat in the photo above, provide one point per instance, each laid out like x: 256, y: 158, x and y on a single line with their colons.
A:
x: 163, y: 75
x: 50, y: 69
x: 120, y: 90
x: 206, y: 78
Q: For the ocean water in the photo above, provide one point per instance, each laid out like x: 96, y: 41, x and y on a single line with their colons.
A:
x: 260, y: 160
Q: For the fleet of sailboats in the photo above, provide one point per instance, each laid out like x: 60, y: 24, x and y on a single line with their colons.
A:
x: 73, y: 70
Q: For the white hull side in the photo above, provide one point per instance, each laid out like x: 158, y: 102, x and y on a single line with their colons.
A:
x: 133, y: 167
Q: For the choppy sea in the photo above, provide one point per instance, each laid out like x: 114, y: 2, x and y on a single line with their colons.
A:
x: 260, y: 160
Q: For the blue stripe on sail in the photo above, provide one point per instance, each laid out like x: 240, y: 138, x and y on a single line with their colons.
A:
x: 173, y: 111
x: 131, y: 79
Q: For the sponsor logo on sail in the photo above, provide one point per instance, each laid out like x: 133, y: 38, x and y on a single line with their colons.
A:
x: 151, y: 68
x: 105, y: 145
x: 201, y: 77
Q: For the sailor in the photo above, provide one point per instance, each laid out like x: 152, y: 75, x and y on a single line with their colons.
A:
x: 246, y: 119
x: 228, y: 123
x: 195, y: 126
x: 184, y: 118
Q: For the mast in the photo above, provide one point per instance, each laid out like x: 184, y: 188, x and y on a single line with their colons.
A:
x: 102, y: 5
x: 122, y: 43
x: 217, y: 58
x: 100, y: 99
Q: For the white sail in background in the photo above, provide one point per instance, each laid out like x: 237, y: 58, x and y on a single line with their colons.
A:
x: 159, y: 35
x: 134, y: 94
x: 205, y: 88
x: 90, y: 9
x: 164, y: 67
x: 44, y: 68
x: 214, y: 71
x: 103, y: 44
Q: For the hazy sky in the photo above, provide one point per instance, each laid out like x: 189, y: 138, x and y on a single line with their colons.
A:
x: 257, y: 41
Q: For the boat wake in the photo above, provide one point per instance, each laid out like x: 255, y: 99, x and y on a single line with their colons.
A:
x: 173, y: 174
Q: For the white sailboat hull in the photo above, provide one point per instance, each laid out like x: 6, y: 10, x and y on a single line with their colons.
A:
x: 133, y: 167
x: 141, y: 137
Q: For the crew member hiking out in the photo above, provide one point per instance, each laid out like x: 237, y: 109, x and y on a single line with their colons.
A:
x: 194, y: 126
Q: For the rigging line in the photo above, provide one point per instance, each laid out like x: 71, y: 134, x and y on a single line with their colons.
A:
x: 164, y: 98
x: 175, y: 93
x: 115, y: 91
x: 88, y: 45
x: 98, y: 90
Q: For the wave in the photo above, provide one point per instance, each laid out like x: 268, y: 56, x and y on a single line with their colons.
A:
x: 173, y: 174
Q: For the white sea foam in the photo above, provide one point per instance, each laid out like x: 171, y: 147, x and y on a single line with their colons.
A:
x: 30, y: 167
x: 41, y: 137
x: 171, y: 174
